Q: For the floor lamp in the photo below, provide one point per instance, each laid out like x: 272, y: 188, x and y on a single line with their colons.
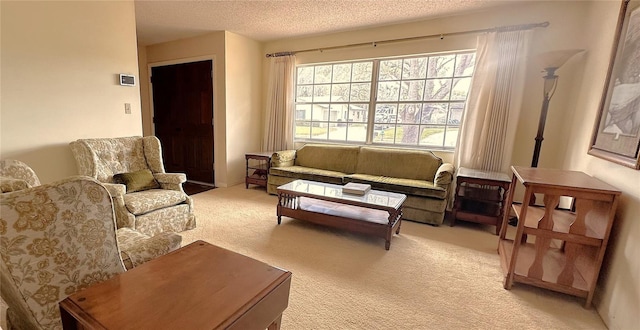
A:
x: 550, y: 61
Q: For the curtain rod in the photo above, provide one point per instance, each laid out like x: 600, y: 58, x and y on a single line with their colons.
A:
x: 441, y: 36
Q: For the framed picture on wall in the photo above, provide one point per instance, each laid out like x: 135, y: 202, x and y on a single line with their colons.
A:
x: 616, y: 135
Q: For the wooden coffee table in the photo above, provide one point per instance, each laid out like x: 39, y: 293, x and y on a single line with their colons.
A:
x: 377, y: 213
x: 200, y: 286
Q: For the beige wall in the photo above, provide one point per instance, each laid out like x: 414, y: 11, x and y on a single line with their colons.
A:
x: 618, y: 293
x: 60, y: 62
x: 573, y: 24
x: 243, y: 95
x: 237, y: 94
x: 209, y: 46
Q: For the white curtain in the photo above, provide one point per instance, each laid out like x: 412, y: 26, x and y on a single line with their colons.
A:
x: 493, y: 106
x: 280, y: 102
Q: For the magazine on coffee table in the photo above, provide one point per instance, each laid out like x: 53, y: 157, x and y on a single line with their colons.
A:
x: 356, y: 188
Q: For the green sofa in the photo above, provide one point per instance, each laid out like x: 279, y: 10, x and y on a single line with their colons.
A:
x: 420, y: 175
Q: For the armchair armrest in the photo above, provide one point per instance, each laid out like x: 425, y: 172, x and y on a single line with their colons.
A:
x: 138, y: 248
x: 171, y: 181
x: 283, y: 158
x: 11, y: 184
x: 174, y: 178
x: 444, y: 176
x: 115, y: 189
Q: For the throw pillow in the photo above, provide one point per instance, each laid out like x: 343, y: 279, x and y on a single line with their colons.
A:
x: 137, y: 181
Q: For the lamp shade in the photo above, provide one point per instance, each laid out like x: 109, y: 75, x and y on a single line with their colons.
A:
x: 557, y: 58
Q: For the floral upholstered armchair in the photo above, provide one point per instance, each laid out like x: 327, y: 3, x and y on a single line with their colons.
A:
x: 58, y: 238
x: 16, y: 175
x: 146, y: 199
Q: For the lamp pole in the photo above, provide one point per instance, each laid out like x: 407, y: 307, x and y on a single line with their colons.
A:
x: 549, y: 87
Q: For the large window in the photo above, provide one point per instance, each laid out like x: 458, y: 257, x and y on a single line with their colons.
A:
x: 414, y: 101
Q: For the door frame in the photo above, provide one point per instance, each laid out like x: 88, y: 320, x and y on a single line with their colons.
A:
x: 185, y: 60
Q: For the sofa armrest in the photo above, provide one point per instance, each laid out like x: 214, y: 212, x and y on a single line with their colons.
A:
x: 444, y: 176
x: 283, y: 158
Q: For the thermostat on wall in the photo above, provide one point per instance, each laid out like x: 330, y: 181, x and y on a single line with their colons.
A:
x: 127, y: 80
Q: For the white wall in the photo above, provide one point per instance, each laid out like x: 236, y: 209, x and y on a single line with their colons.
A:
x: 243, y: 90
x: 586, y: 25
x: 60, y: 62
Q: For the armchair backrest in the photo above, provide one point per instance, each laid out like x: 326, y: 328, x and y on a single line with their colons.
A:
x: 16, y: 175
x: 105, y: 157
x: 55, y: 239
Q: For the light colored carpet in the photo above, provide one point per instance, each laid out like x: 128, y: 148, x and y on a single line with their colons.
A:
x: 432, y: 278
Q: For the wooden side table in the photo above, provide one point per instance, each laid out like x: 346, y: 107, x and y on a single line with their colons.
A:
x: 480, y: 197
x: 257, y: 171
x: 573, y: 266
x: 200, y: 286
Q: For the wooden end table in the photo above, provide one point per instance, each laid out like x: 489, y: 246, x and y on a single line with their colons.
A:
x: 257, y: 169
x: 200, y: 286
x: 480, y: 197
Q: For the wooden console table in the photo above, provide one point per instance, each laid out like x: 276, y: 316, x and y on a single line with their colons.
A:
x: 200, y: 286
x: 579, y: 235
x: 480, y: 197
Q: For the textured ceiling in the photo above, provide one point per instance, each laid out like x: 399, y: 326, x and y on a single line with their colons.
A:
x: 265, y: 20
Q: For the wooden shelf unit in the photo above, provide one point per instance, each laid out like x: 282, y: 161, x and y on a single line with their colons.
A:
x: 556, y: 249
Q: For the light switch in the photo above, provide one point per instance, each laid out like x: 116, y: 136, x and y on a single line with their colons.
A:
x: 127, y: 108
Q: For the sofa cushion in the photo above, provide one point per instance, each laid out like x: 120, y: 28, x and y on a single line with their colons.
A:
x: 399, y: 185
x: 398, y: 163
x: 149, y: 200
x: 328, y: 157
x: 308, y: 173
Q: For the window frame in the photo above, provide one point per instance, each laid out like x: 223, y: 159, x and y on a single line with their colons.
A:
x: 372, y: 103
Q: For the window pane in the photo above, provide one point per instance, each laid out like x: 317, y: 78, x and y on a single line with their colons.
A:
x: 320, y: 112
x: 357, y: 132
x: 441, y: 66
x: 337, y: 131
x: 341, y: 73
x: 321, y: 93
x: 411, y: 90
x: 460, y: 88
x: 304, y: 93
x: 455, y: 113
x: 409, y: 134
x: 303, y: 111
x: 414, y: 68
x: 434, y: 113
x: 358, y: 113
x: 303, y: 130
x: 451, y: 137
x: 388, y: 91
x: 322, y: 74
x: 340, y: 93
x: 390, y: 70
x: 437, y: 89
x: 432, y: 136
x: 319, y: 131
x: 409, y: 113
x: 362, y: 71
x: 360, y: 92
x: 386, y: 135
x: 305, y: 75
x: 465, y: 64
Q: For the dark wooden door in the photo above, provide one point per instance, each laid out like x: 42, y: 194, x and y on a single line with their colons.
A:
x: 183, y: 118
